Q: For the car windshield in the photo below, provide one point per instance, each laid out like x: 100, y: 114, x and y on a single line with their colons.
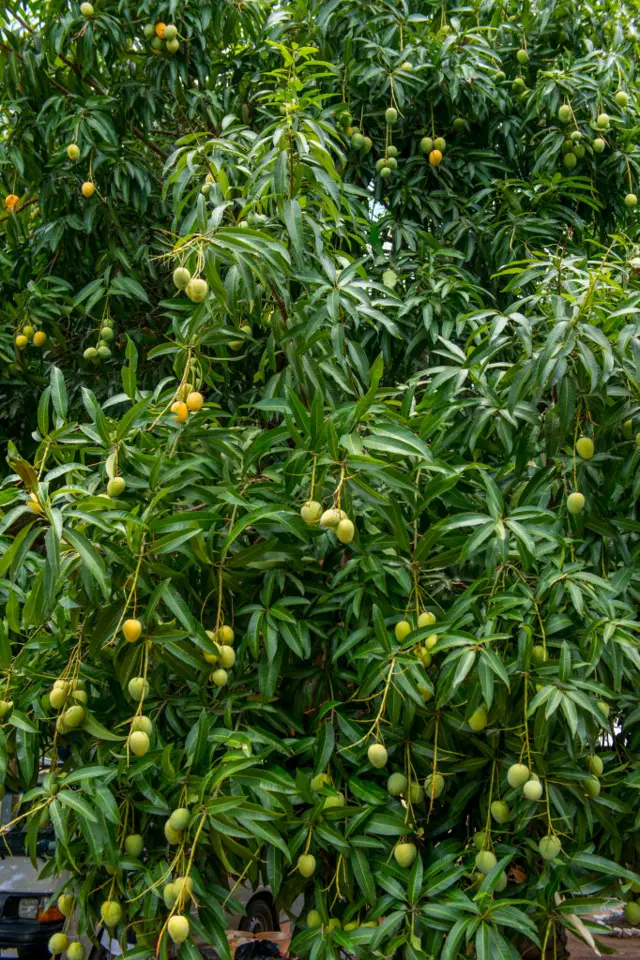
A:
x: 13, y: 842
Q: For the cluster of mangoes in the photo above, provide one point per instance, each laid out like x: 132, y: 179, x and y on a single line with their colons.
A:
x: 225, y: 655
x: 69, y: 698
x: 102, y: 350
x: 30, y: 335
x: 162, y: 36
x: 574, y: 150
x: 333, y: 519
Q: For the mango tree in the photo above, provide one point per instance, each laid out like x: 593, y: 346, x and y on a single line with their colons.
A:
x: 319, y: 542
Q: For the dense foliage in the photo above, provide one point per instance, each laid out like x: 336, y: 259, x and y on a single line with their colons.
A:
x: 440, y: 340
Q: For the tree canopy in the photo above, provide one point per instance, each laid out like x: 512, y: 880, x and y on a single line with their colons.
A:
x: 319, y: 556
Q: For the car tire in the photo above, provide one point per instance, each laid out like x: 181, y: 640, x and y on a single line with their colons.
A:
x: 260, y: 917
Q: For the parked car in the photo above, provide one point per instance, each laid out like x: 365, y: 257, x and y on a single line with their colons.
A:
x: 26, y: 923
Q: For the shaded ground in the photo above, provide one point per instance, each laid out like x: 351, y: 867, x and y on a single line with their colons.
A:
x: 627, y: 949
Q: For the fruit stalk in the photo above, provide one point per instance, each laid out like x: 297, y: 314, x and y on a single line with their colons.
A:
x: 132, y: 592
x: 487, y: 826
x: 435, y: 766
x: 527, y: 745
x: 180, y: 899
x: 374, y: 729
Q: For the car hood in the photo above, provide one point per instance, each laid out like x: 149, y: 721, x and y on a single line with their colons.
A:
x: 17, y: 875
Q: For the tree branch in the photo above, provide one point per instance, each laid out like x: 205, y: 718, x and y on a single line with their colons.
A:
x: 281, y: 304
x: 98, y: 89
x: 19, y: 209
x: 103, y: 93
